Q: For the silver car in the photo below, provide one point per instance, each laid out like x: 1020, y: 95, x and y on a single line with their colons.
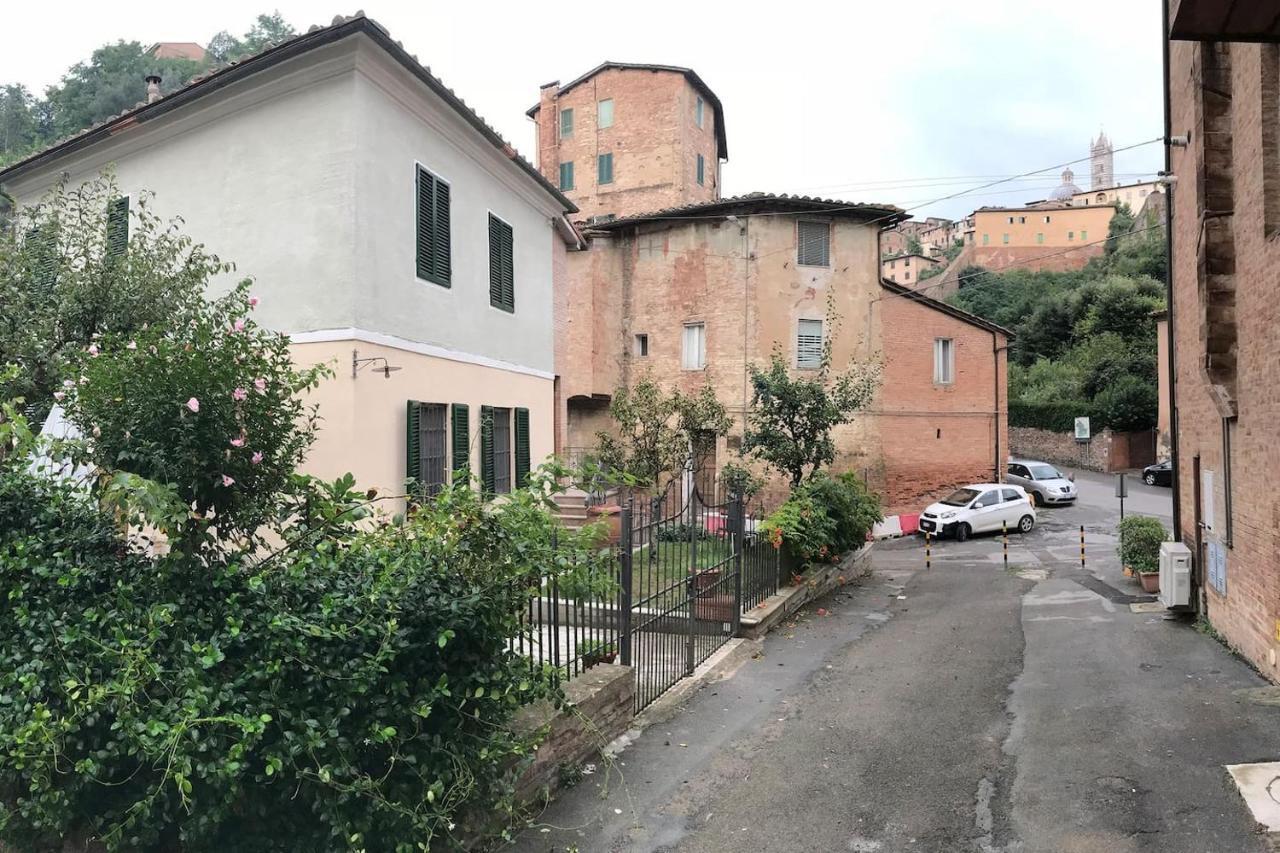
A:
x: 1043, y: 482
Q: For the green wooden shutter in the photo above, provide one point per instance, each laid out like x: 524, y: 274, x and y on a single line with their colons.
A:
x: 44, y: 272
x: 501, y: 265
x: 604, y: 168
x: 432, y: 246
x: 566, y: 175
x: 701, y: 169
x: 486, y: 450
x: 461, y: 440
x: 412, y: 445
x: 422, y: 234
x: 522, y: 446
x: 444, y: 252
x: 117, y: 227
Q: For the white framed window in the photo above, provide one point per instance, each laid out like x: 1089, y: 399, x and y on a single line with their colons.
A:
x: 641, y: 348
x: 809, y: 344
x: 698, y: 111
x: 604, y: 113
x: 944, y: 361
x: 693, y: 353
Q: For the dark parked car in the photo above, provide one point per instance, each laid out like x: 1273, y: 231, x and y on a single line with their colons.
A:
x: 1159, y: 474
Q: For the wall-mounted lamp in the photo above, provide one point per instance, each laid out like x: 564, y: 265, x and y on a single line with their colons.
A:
x: 358, y: 364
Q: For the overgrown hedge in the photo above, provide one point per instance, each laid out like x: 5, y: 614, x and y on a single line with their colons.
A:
x: 1055, y: 417
x: 824, y: 518
x: 352, y: 696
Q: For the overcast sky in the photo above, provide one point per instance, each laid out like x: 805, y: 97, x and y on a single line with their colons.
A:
x: 891, y: 102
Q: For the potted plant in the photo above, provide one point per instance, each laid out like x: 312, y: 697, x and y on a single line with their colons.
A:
x: 1140, y: 539
x: 595, y: 652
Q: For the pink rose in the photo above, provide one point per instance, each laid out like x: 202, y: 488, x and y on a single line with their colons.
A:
x: 67, y: 383
x: 58, y: 395
x: 93, y: 350
x: 193, y: 404
x: 227, y: 481
x: 257, y: 457
x: 238, y: 325
x: 84, y: 380
x: 260, y: 384
x: 237, y: 442
x: 131, y: 345
x: 97, y: 431
x: 253, y: 301
x: 239, y: 394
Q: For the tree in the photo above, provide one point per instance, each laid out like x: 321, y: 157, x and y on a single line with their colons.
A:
x: 1129, y: 403
x: 792, y: 416
x: 913, y: 246
x: 266, y: 30
x: 62, y: 285
x: 111, y: 81
x: 19, y: 122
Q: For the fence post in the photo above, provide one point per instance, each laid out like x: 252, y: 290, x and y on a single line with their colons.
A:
x: 1004, y: 534
x: 738, y: 515
x: 690, y: 585
x: 623, y: 618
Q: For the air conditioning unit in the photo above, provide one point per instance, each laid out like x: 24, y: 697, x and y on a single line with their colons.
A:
x: 1175, y: 574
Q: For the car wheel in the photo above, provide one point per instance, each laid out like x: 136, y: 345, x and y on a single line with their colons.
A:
x: 1026, y: 523
x: 963, y: 532
x: 1149, y: 479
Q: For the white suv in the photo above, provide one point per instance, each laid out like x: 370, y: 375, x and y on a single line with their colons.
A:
x: 982, y: 507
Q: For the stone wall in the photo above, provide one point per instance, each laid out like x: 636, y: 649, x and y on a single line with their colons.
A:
x: 1061, y: 448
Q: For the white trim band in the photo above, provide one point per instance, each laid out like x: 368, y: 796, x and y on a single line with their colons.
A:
x: 321, y: 336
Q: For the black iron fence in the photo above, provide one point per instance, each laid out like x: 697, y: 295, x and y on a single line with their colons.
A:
x: 683, y: 570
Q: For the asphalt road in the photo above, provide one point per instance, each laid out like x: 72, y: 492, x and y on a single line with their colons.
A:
x: 970, y: 707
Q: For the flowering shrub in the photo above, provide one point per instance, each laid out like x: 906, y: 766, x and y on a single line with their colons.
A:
x: 206, y: 403
x: 344, y: 694
x: 824, y: 518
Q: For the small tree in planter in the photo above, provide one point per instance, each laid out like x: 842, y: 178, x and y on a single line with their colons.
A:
x: 793, y: 414
x: 1140, y: 540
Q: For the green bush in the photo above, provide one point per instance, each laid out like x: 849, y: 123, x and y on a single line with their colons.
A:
x: 824, y: 518
x: 1140, y: 538
x: 350, y: 695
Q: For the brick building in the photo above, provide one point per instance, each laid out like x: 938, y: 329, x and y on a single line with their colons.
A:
x: 1223, y: 87
x: 626, y: 138
x: 695, y: 293
x: 907, y: 268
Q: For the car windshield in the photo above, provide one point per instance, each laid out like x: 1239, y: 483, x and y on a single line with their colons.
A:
x: 960, y: 497
x: 1045, y: 472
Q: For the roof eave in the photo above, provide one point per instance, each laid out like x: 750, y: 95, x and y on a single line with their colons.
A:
x: 939, y: 305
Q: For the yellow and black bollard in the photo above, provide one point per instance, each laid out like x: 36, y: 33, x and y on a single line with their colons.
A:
x: 1082, y: 546
x: 1004, y: 533
x: 928, y: 553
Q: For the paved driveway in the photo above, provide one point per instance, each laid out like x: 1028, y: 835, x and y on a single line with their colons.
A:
x: 966, y: 708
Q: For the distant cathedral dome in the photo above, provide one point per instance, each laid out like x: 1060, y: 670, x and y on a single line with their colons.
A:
x: 1065, y: 190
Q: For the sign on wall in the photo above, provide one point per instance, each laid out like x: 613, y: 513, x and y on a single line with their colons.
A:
x: 1082, y: 429
x: 1216, y: 560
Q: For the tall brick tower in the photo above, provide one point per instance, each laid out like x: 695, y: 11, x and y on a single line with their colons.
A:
x: 626, y: 138
x: 1102, y: 176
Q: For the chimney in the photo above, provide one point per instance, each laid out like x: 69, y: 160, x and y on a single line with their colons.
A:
x: 153, y: 88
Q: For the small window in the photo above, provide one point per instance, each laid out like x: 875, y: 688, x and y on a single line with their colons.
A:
x: 944, y: 362
x: 1010, y: 220
x: 1004, y: 238
x: 893, y: 264
x: 1022, y: 220
x: 1039, y: 236
x: 702, y: 169
x: 1084, y: 235
x: 698, y: 109
x: 566, y: 175
x: 1071, y: 235
x: 694, y: 349
x: 427, y: 451
x: 604, y: 168
x: 986, y: 239
x: 642, y: 345
x: 117, y: 227
x: 434, y: 258
x: 566, y: 123
x: 502, y: 277
x: 501, y: 451
x: 813, y: 248
x: 809, y: 344
x: 906, y: 276
x: 604, y: 113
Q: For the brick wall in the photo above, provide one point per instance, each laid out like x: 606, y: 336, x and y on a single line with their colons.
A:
x: 1236, y: 254
x: 936, y: 437
x: 654, y: 140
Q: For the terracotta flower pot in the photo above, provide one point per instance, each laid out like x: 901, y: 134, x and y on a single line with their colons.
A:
x: 1150, y: 581
x: 612, y: 515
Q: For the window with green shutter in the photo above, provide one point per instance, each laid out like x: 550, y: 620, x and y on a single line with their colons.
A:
x: 117, y: 227
x: 434, y: 253
x: 44, y: 271
x: 495, y: 450
x: 502, y: 276
x: 702, y: 169
x: 566, y: 175
x: 486, y: 450
x: 426, y: 447
x: 566, y: 123
x: 461, y: 415
x: 522, y: 447
x: 604, y: 168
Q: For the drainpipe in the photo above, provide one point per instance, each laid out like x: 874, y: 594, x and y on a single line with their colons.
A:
x: 1168, y: 287
x: 997, y: 469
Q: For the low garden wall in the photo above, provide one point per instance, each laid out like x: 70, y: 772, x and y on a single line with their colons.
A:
x: 1106, y: 452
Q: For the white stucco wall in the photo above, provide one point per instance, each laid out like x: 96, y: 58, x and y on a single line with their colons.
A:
x: 395, y: 132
